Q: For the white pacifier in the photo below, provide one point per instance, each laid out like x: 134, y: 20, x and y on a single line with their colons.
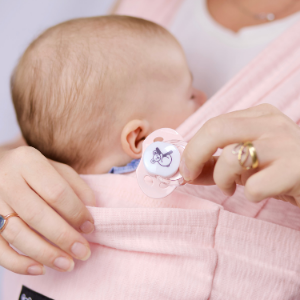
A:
x: 158, y: 172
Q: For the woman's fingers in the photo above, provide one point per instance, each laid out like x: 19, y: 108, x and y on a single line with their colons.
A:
x: 228, y: 171
x: 54, y: 189
x: 277, y: 175
x: 41, y: 217
x: 36, y: 190
x: 225, y: 130
x: 19, y: 235
x: 81, y: 189
x: 276, y: 139
x: 255, y: 111
x: 206, y: 177
x: 44, y: 200
x: 13, y: 261
x: 216, y: 133
x: 277, y: 180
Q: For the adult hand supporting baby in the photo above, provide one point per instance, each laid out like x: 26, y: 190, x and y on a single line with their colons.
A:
x: 276, y: 139
x: 50, y: 200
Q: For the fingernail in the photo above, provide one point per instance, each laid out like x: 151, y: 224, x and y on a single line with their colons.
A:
x: 36, y: 270
x: 81, y: 251
x: 87, y: 227
x: 64, y: 264
x: 184, y: 171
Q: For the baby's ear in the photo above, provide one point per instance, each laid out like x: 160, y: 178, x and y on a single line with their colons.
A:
x: 132, y: 137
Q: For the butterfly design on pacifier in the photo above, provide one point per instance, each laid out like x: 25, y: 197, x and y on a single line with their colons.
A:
x: 158, y: 172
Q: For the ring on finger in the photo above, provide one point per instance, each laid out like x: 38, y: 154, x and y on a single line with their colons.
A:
x: 243, y: 150
x: 4, y: 220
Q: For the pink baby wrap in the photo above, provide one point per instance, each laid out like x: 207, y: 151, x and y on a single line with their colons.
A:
x: 196, y: 243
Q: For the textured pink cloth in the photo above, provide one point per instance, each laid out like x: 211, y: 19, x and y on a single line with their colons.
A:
x: 181, y: 247
x: 196, y: 243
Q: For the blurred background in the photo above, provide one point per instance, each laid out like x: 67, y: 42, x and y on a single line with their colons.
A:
x: 21, y: 22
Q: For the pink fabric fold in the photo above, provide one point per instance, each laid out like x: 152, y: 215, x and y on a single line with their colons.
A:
x: 189, y: 249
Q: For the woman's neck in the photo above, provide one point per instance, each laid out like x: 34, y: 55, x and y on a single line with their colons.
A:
x: 244, y: 13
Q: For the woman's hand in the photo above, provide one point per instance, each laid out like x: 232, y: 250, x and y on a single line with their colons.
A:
x: 276, y: 139
x: 50, y: 200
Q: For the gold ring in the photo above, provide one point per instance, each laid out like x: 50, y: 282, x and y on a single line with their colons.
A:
x: 243, y: 153
x: 4, y: 220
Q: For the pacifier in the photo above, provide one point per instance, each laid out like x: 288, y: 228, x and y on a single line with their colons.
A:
x: 158, y: 172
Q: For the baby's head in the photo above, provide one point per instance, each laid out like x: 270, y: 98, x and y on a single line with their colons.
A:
x: 88, y: 91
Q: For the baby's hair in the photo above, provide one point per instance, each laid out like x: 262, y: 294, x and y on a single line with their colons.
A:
x: 63, y: 87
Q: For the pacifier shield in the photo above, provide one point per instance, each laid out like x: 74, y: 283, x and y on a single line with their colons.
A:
x: 161, y: 159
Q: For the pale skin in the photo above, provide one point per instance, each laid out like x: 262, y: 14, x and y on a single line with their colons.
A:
x: 240, y: 11
x: 57, y: 196
x: 33, y: 187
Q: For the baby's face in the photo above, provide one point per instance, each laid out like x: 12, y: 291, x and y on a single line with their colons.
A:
x: 173, y: 96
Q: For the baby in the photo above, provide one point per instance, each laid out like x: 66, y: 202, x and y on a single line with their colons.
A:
x: 88, y: 91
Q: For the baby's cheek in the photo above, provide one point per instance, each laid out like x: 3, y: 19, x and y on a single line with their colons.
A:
x: 185, y: 113
x: 192, y: 107
x: 176, y: 114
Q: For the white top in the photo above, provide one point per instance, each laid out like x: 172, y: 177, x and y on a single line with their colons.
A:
x: 214, y: 53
